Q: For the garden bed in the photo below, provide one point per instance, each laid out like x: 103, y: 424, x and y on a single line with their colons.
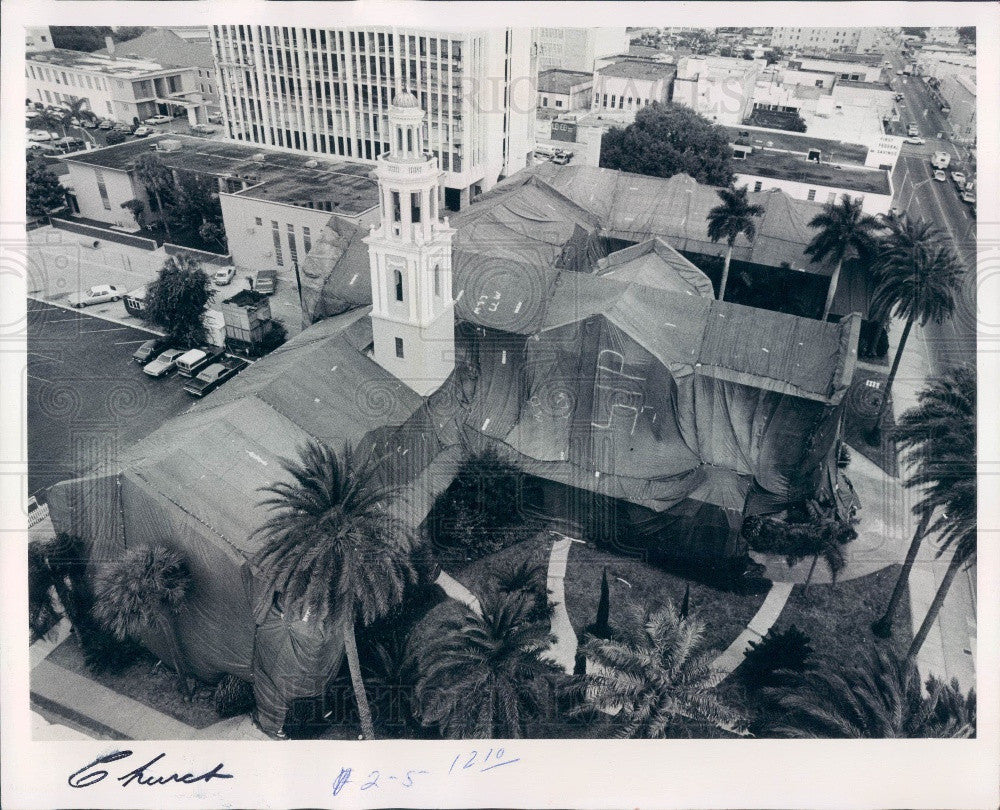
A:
x: 143, y: 681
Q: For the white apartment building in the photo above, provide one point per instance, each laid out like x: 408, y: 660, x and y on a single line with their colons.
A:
x: 577, y: 48
x: 836, y: 38
x: 623, y: 88
x: 37, y: 38
x: 327, y: 91
x: 127, y: 90
x: 719, y: 88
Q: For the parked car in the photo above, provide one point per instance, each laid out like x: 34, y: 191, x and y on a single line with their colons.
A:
x: 194, y: 360
x: 940, y: 176
x: 224, y: 276
x: 90, y: 123
x: 146, y: 351
x: 142, y: 132
x: 562, y: 158
x: 100, y: 294
x: 914, y: 139
x: 969, y: 197
x: 214, y: 375
x: 203, y: 129
x: 123, y: 127
x: 265, y: 281
x: 158, y: 119
x: 215, y: 118
x: 164, y: 363
x: 40, y: 135
x: 912, y: 131
x: 107, y: 123
x: 70, y: 144
x: 958, y: 178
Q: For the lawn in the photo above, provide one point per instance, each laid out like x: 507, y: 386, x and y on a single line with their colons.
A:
x: 476, y: 575
x: 143, y: 681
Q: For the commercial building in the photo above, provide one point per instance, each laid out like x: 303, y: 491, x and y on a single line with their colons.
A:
x: 273, y: 203
x: 167, y: 46
x: 719, y: 88
x: 325, y: 91
x: 836, y: 38
x: 838, y: 68
x: 577, y: 48
x: 123, y: 89
x: 946, y: 35
x: 941, y: 61
x: 564, y: 90
x: 623, y: 88
x: 37, y: 38
x: 958, y: 91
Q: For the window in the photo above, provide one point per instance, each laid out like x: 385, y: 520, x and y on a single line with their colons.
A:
x: 545, y: 101
x: 306, y: 238
x: 757, y: 186
x: 399, y: 347
x: 398, y: 283
x: 103, y: 189
x: 811, y: 195
x: 258, y: 221
x: 276, y: 236
x: 437, y: 280
x: 293, y: 250
x: 831, y: 197
x: 111, y: 110
x: 415, y: 206
x: 395, y: 206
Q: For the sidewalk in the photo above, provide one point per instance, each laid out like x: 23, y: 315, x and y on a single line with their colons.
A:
x: 949, y: 651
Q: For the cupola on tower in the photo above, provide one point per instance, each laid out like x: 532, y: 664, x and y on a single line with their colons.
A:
x: 409, y: 253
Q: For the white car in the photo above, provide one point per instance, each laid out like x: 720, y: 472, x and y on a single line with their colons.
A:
x: 224, y: 276
x: 95, y: 295
x: 142, y: 132
x: 940, y: 176
x: 915, y: 139
x: 958, y: 178
x: 158, y: 119
x: 38, y: 135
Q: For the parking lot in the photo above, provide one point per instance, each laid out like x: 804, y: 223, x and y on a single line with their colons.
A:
x: 87, y: 399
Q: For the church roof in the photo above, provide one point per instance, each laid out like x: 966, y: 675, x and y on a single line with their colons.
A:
x: 405, y: 100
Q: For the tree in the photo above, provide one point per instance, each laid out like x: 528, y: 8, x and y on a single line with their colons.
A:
x: 123, y: 33
x: 43, y: 609
x: 877, y: 697
x: 734, y: 216
x: 196, y: 203
x: 48, y: 120
x: 142, y: 592
x: 653, y: 672
x: 668, y: 139
x: 938, y: 437
x: 481, y: 675
x: 845, y: 232
x: 78, y: 108
x: 178, y: 298
x: 43, y: 191
x: 114, y: 136
x: 158, y: 180
x: 88, y: 38
x: 917, y: 278
x: 137, y: 208
x: 333, y: 548
x: 967, y: 34
x: 773, y: 55
x: 213, y: 234
x: 772, y: 660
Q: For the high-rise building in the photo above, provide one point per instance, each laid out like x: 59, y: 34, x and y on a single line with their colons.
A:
x: 327, y: 91
x: 409, y: 254
x: 577, y: 48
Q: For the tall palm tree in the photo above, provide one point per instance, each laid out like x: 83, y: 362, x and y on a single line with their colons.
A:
x: 482, y: 675
x: 78, y: 108
x: 938, y: 437
x: 48, y: 120
x: 654, y: 674
x: 845, y: 232
x: 877, y: 697
x: 333, y: 548
x: 918, y: 275
x: 157, y: 179
x: 143, y: 592
x: 734, y: 216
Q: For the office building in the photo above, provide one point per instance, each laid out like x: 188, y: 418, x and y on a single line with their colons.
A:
x: 577, y: 48
x: 326, y: 91
x: 127, y: 90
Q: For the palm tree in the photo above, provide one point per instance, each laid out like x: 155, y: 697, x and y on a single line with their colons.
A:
x: 150, y: 171
x: 727, y: 221
x: 918, y: 275
x: 876, y: 698
x: 939, y: 439
x: 48, y: 120
x: 653, y: 674
x: 845, y: 232
x: 482, y: 675
x: 43, y: 610
x: 332, y: 547
x: 143, y: 592
x: 79, y: 109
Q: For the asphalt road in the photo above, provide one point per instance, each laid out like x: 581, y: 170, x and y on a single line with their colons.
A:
x: 87, y: 399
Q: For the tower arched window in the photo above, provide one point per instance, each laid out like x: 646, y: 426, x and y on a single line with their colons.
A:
x: 437, y: 280
x: 409, y: 140
x: 398, y: 280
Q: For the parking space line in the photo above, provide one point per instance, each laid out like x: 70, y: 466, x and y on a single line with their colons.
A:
x: 124, y: 342
x: 43, y: 356
x: 111, y: 329
x: 40, y: 379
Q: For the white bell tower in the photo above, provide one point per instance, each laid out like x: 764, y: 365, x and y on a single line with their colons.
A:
x: 409, y: 253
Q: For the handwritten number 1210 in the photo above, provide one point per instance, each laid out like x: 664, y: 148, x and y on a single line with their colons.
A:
x: 470, y: 758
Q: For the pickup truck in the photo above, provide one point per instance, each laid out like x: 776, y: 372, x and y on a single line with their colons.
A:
x: 214, y: 375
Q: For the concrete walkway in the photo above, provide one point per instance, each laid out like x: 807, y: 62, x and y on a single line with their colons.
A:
x: 457, y: 591
x: 761, y: 622
x: 563, y: 649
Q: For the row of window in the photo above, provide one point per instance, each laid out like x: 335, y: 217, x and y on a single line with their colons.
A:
x: 831, y: 196
x: 602, y: 101
x: 545, y: 101
x: 52, y: 75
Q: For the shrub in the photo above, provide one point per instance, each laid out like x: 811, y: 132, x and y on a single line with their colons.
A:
x: 820, y: 534
x: 115, y: 137
x: 769, y: 661
x: 233, y: 696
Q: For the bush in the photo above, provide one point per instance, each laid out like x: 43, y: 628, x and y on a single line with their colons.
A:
x: 820, y: 534
x: 115, y: 136
x: 233, y: 696
x: 769, y: 661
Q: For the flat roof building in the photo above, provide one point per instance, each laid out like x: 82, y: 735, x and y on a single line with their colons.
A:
x: 564, y: 90
x: 623, y: 88
x: 576, y: 48
x: 719, y: 88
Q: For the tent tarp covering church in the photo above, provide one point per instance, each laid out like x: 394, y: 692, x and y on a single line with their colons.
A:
x: 606, y: 376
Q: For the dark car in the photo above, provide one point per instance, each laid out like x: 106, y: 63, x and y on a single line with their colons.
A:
x: 211, y: 377
x: 265, y: 281
x: 148, y: 349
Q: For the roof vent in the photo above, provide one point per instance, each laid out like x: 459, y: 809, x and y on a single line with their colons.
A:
x: 311, y: 164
